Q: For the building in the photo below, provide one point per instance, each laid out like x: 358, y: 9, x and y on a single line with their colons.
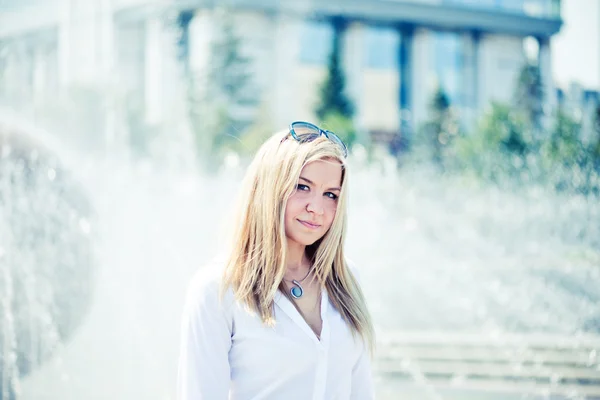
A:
x: 582, y: 105
x: 395, y: 52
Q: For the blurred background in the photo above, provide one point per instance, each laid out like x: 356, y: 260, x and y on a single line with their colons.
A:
x: 474, y: 127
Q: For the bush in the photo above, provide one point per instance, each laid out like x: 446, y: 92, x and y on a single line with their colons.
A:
x: 569, y: 163
x: 342, y: 126
x: 564, y: 146
x: 499, y: 148
x: 436, y: 136
x: 252, y: 138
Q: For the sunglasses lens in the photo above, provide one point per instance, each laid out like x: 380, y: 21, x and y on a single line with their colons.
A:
x: 304, y: 128
x: 334, y: 138
x: 307, y: 132
x: 308, y: 137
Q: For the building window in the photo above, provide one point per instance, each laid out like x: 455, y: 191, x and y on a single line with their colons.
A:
x: 316, y: 42
x: 381, y: 48
x: 448, y: 66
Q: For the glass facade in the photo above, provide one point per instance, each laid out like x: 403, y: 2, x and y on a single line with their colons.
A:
x: 381, y: 48
x: 380, y: 45
x: 316, y: 42
x: 447, y: 66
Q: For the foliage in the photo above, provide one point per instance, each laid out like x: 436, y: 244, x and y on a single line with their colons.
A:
x: 438, y: 133
x: 333, y: 99
x: 506, y: 150
x: 500, y: 147
x: 222, y: 101
x: 564, y: 145
x: 595, y: 142
x: 341, y: 125
x: 505, y: 131
x: 3, y: 62
x: 570, y: 163
x: 505, y: 137
x: 529, y: 96
x: 249, y: 143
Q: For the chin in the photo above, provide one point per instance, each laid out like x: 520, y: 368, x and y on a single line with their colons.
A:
x: 310, y: 243
x: 315, y: 240
x: 307, y: 241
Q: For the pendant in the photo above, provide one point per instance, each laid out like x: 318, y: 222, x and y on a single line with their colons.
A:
x: 297, y: 290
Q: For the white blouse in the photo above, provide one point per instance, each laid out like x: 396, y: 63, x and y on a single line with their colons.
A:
x: 228, y: 353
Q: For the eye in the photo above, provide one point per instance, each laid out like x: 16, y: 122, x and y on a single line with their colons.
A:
x: 331, y: 196
x: 302, y: 187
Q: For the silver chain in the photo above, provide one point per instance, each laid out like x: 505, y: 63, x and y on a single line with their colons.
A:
x: 301, y: 280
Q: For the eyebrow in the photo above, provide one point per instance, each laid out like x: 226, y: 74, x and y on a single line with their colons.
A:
x: 312, y: 183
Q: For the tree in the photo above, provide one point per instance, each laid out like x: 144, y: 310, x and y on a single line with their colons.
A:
x: 439, y: 110
x: 595, y: 147
x: 222, y: 101
x: 3, y: 62
x: 564, y: 144
x: 334, y: 107
x: 441, y: 128
x: 529, y: 96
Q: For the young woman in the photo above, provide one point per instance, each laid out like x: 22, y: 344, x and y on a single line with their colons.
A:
x: 283, y: 317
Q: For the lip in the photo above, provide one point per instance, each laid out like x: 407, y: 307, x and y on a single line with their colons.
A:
x: 309, y: 225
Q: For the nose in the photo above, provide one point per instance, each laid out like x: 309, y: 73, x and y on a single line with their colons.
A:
x: 315, y: 204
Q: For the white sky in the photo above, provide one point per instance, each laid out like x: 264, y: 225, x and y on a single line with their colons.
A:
x: 576, y: 48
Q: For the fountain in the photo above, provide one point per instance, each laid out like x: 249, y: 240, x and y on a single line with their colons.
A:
x: 447, y: 259
x: 96, y: 251
x: 46, y: 256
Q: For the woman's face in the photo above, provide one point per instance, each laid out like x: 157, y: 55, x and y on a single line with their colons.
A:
x: 310, y: 210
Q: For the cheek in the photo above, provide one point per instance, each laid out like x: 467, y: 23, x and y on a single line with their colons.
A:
x: 330, y: 211
x: 293, y: 207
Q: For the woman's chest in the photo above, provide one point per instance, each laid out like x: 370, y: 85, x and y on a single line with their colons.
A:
x: 290, y: 346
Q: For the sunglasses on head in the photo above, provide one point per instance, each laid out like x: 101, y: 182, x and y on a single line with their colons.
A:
x: 305, y: 132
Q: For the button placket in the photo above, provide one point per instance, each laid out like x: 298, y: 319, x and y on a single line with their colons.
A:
x: 321, y: 373
x: 322, y: 351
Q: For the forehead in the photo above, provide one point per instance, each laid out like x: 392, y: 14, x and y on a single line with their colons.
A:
x: 323, y: 172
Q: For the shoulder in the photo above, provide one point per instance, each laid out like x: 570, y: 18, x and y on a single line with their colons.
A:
x: 205, y: 286
x: 206, y: 278
x: 207, y: 309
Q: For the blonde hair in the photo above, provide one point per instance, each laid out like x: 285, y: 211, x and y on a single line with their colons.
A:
x: 256, y: 261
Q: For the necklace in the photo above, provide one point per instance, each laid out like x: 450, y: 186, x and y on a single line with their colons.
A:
x: 296, y: 291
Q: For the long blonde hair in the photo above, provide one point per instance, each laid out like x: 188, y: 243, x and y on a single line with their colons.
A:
x: 256, y: 262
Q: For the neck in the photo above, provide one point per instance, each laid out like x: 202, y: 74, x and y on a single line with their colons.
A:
x: 296, y: 260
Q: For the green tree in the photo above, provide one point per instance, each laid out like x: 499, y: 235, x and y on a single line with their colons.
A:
x: 335, y: 110
x: 564, y: 146
x: 333, y: 98
x: 500, y: 147
x: 529, y: 96
x: 592, y: 156
x: 440, y: 110
x: 566, y: 159
x: 595, y: 143
x: 341, y: 125
x: 4, y: 53
x: 440, y: 130
x: 507, y: 134
x: 223, y: 101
